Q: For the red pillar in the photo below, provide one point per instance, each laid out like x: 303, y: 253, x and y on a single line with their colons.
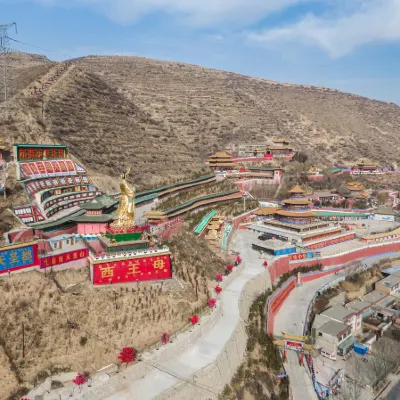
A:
x: 301, y: 359
x: 285, y: 355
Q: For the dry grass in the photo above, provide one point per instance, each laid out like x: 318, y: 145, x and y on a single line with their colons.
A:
x: 107, y: 318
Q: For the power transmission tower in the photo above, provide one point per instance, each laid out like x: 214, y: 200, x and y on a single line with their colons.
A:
x: 5, y: 68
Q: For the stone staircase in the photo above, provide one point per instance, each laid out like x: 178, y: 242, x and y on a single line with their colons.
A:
x: 48, y: 81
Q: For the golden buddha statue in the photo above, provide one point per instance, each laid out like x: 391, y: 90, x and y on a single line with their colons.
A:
x: 125, y: 215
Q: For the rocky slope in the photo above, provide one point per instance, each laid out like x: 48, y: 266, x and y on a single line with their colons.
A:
x: 164, y: 118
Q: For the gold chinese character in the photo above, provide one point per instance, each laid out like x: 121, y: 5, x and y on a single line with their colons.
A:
x: 68, y: 257
x: 27, y: 255
x: 14, y: 257
x: 82, y: 254
x: 133, y: 267
x: 46, y: 262
x: 107, y: 271
x: 75, y: 256
x: 159, y: 264
x: 2, y: 262
x: 60, y: 259
x: 53, y: 261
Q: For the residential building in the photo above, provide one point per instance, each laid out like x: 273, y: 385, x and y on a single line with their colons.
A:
x: 389, y: 285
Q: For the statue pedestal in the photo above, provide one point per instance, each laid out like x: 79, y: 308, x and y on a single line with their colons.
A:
x: 115, y: 230
x: 125, y: 239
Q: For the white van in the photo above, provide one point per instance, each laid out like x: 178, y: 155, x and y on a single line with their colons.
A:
x: 328, y: 354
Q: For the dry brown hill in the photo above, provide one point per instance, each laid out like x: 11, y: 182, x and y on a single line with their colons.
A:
x: 164, y: 118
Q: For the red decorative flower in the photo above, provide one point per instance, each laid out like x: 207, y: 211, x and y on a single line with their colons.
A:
x: 194, y: 319
x: 127, y: 355
x: 218, y: 289
x: 238, y: 259
x: 165, y: 338
x: 219, y: 277
x: 265, y: 263
x: 211, y: 302
x: 79, y: 380
x: 229, y: 268
x: 24, y: 398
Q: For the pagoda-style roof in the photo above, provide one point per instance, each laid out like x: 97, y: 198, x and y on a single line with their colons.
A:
x: 280, y: 140
x: 222, y: 164
x: 361, y: 196
x: 284, y: 213
x: 220, y: 154
x: 266, y: 211
x: 296, y: 202
x: 296, y: 190
x: 355, y: 186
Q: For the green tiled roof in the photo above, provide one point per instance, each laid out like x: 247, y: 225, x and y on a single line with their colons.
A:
x: 193, y: 201
x: 262, y: 169
x: 166, y: 187
x: 93, y: 218
x: 336, y: 170
x: 339, y: 214
x: 145, y: 198
x: 41, y: 145
x: 199, y: 228
x: 68, y: 218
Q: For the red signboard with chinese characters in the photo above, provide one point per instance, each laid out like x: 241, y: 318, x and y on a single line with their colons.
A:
x: 63, y: 258
x: 136, y: 269
x: 297, y: 256
x: 36, y: 153
x: 291, y: 345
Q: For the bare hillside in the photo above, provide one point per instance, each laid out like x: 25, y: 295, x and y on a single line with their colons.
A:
x: 209, y: 109
x: 164, y: 118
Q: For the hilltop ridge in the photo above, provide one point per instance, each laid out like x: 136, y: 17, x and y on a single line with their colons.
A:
x: 166, y: 117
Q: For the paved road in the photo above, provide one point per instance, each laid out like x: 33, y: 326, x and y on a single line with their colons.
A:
x: 300, y: 381
x: 290, y: 318
x: 208, y: 347
x: 203, y: 353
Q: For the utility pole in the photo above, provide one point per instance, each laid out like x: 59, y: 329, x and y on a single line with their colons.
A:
x: 23, y: 341
x: 5, y: 67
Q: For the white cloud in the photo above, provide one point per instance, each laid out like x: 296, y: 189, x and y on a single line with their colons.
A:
x: 372, y: 21
x: 194, y: 12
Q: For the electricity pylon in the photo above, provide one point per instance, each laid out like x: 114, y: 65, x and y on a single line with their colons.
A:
x: 5, y: 69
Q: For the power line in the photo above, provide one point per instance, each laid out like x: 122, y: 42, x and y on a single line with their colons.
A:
x: 5, y: 66
x: 31, y: 45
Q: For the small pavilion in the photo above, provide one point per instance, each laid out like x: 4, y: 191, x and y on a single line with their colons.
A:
x: 221, y: 161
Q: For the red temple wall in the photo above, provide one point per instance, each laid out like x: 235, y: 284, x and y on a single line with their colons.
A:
x: 282, y: 265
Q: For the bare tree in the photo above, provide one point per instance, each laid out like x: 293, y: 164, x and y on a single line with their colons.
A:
x: 386, y: 357
x: 356, y: 376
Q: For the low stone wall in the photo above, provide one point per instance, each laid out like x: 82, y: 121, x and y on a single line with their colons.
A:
x: 207, y: 383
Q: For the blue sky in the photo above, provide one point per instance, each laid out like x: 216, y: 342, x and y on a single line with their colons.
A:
x: 351, y: 45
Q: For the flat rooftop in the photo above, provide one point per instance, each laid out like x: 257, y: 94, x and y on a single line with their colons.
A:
x: 338, y: 312
x: 374, y: 296
x: 333, y: 328
x: 390, y: 281
x: 273, y: 244
x: 298, y: 228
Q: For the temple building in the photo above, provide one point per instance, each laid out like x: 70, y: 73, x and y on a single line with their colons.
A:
x: 357, y: 190
x: 363, y: 168
x: 315, y: 174
x: 221, y: 161
x: 98, y: 214
x: 55, y: 185
x: 296, y: 223
x: 267, y: 151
